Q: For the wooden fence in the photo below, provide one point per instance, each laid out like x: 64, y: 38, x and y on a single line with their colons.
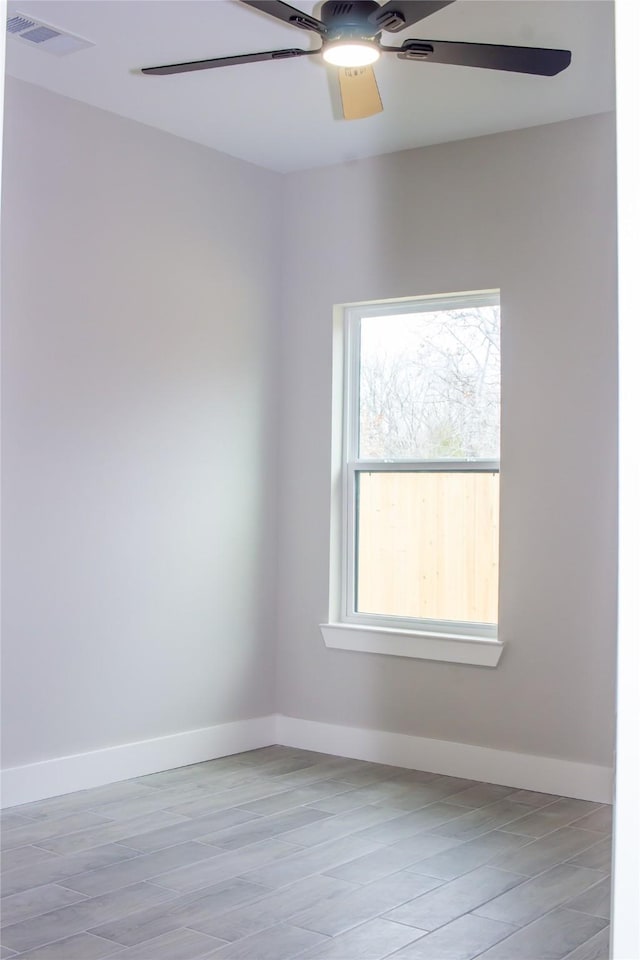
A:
x: 428, y: 545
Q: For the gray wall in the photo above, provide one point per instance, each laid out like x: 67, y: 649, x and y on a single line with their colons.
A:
x: 141, y: 286
x: 531, y: 212
x: 143, y: 306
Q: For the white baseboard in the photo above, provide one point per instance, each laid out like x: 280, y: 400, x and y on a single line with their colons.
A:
x: 524, y: 771
x: 50, y: 778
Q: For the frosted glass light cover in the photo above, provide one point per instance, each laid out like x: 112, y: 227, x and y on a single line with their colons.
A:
x: 351, y: 54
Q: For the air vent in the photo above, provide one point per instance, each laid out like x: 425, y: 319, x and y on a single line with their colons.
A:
x: 18, y: 24
x: 44, y: 36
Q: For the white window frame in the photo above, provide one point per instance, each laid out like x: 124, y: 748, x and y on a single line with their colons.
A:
x: 454, y: 641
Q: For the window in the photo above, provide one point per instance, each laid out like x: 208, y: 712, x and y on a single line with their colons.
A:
x: 419, y: 503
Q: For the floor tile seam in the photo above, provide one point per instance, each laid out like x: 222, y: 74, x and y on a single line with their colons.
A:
x: 88, y: 899
x: 597, y: 834
x: 34, y: 887
x: 29, y: 821
x: 265, y: 818
x: 477, y: 836
x: 361, y: 806
x: 317, y: 873
x: 446, y: 883
x: 602, y: 833
x: 213, y: 791
x: 420, y: 831
x: 211, y: 935
x: 387, y: 956
x: 568, y: 823
x: 598, y: 874
x: 441, y: 926
x: 66, y: 936
x: 465, y: 873
x: 305, y: 803
x: 405, y: 923
x: 254, y: 818
x: 499, y: 940
x: 588, y: 941
x: 184, y: 777
x: 155, y: 876
x: 38, y: 846
x: 295, y: 849
x: 427, y: 933
x: 386, y: 876
x: 314, y: 873
x: 431, y: 831
x: 350, y: 832
x: 140, y: 854
x: 556, y: 906
x: 316, y: 777
x: 220, y: 915
x: 56, y: 836
x: 533, y: 876
x: 83, y: 897
x: 579, y: 854
x: 528, y: 879
x: 530, y: 813
x: 586, y: 913
x: 450, y: 798
x: 167, y: 904
x: 88, y: 807
x: 169, y: 846
x: 381, y: 913
x: 279, y: 837
x: 265, y: 796
x: 425, y: 806
x: 124, y: 948
x: 264, y: 930
x: 322, y: 900
x: 501, y: 826
x: 253, y: 901
x: 102, y: 843
x: 405, y: 868
x: 61, y: 881
x: 535, y: 811
x: 559, y: 905
x: 530, y: 923
x: 168, y: 806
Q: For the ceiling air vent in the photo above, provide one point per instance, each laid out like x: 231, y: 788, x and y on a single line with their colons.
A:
x: 44, y: 36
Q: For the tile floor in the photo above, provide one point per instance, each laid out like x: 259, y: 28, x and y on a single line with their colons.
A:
x: 279, y: 853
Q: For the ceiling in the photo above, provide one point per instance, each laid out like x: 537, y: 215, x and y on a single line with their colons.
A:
x: 285, y: 115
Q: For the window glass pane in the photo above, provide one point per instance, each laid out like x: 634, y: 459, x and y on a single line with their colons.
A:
x: 429, y: 385
x: 427, y: 545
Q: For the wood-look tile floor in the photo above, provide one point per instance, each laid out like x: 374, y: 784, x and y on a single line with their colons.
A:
x: 279, y: 854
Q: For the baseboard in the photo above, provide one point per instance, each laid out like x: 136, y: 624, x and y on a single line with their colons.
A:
x: 524, y: 771
x: 51, y: 778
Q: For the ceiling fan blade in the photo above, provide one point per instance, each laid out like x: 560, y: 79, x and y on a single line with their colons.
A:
x: 225, y: 62
x: 283, y: 11
x: 359, y: 92
x: 398, y: 14
x: 534, y: 60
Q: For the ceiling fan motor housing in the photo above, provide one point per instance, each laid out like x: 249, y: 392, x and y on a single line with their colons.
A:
x: 349, y: 20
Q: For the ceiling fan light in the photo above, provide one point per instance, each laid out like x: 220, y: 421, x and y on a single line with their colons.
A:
x: 350, y: 54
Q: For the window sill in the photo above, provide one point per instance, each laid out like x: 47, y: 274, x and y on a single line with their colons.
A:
x: 414, y: 644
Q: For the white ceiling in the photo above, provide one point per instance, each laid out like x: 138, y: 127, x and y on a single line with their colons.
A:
x: 282, y: 115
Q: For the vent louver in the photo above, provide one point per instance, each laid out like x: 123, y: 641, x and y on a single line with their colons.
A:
x: 17, y: 24
x: 44, y: 36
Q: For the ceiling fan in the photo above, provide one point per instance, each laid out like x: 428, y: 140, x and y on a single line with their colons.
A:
x: 350, y: 31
